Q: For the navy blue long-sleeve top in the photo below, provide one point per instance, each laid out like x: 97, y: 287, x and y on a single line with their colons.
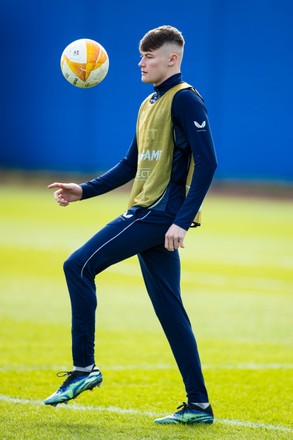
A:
x: 192, y: 135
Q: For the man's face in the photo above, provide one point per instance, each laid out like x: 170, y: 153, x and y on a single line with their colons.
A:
x: 157, y: 65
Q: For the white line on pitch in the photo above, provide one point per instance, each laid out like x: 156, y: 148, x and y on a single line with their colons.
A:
x: 113, y: 409
x: 250, y: 366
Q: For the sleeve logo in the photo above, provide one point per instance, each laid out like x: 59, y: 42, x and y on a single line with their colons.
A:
x: 198, y: 125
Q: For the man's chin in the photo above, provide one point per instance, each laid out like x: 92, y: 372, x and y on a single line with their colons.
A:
x: 145, y: 80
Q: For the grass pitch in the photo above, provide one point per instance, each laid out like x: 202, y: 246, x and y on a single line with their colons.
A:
x: 237, y: 285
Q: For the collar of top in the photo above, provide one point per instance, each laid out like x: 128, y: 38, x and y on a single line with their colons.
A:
x: 165, y: 86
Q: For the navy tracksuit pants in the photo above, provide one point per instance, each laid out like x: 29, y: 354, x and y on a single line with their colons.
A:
x: 142, y: 232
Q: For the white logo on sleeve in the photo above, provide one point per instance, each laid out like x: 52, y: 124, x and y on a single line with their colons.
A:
x: 198, y: 125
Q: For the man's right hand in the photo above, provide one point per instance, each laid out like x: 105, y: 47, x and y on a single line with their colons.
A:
x: 67, y: 192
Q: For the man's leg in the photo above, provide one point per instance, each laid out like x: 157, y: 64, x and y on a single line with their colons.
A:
x: 123, y: 237
x: 118, y: 240
x: 161, y: 272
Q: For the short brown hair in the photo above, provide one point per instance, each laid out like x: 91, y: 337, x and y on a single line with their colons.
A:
x: 155, y: 38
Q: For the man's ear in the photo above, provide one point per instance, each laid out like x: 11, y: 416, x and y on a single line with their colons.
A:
x: 173, y: 58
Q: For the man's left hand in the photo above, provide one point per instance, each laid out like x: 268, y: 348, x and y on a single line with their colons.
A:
x: 174, y: 238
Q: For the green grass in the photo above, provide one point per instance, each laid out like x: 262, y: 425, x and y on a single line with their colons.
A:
x: 237, y: 284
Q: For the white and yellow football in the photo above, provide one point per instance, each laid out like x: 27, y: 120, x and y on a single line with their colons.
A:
x: 84, y: 63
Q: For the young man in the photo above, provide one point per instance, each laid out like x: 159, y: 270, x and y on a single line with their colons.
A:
x: 172, y: 139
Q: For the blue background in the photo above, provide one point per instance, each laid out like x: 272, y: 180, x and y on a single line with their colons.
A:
x: 237, y: 54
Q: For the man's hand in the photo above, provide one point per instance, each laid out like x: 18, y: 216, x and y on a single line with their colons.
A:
x: 174, y: 238
x: 67, y: 193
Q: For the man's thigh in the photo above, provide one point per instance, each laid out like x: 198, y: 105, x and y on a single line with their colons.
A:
x: 127, y: 235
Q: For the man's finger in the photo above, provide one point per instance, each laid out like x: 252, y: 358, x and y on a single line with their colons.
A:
x: 55, y: 185
x: 169, y: 245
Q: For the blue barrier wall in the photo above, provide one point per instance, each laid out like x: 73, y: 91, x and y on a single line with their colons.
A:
x: 238, y: 55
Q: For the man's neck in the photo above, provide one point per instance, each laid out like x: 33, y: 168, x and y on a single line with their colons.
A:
x: 176, y: 78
